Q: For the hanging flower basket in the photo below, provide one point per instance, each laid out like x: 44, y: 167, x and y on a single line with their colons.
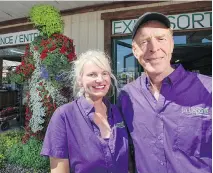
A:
x: 9, y: 111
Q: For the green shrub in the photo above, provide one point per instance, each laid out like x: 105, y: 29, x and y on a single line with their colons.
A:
x: 46, y: 19
x: 25, y: 155
x: 2, y: 160
x: 7, y: 140
x: 28, y: 155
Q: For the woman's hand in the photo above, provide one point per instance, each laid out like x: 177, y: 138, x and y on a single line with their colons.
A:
x: 59, y: 165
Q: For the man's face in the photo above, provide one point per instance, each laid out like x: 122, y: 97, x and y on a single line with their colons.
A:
x: 152, y: 46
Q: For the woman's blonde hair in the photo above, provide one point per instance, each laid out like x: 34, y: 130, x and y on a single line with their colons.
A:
x: 97, y: 57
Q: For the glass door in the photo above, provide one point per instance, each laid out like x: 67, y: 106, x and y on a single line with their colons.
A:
x: 125, y: 65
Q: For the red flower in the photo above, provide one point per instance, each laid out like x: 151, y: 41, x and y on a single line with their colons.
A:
x: 53, y: 48
x: 18, y: 67
x: 43, y: 56
x: 63, y: 50
x: 27, y: 118
x: 36, y: 48
x: 45, y: 51
x: 71, y: 56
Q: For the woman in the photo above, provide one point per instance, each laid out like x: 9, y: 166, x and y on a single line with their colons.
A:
x: 88, y: 135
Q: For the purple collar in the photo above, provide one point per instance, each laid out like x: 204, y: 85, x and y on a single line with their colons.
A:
x: 88, y: 108
x: 178, y: 74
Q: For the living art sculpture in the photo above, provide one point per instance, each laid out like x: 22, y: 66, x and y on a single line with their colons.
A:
x: 45, y: 67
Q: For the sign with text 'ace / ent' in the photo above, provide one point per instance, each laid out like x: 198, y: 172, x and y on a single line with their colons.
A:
x: 17, y: 38
x: 198, y: 20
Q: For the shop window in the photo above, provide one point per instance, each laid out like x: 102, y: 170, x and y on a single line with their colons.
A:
x: 11, y: 57
x: 194, y: 51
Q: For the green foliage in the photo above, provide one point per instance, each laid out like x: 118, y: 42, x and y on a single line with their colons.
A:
x: 2, y: 160
x: 25, y: 69
x: 6, y: 80
x: 28, y: 155
x: 8, y: 139
x: 17, y: 78
x: 56, y: 62
x: 56, y: 53
x: 46, y: 19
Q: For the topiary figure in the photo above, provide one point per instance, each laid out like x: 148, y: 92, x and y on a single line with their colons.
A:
x: 50, y: 54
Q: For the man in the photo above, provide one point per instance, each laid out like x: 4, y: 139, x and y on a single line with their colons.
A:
x: 167, y: 109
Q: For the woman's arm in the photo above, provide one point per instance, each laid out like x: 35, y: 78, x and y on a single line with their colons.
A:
x: 55, y: 145
x: 59, y: 165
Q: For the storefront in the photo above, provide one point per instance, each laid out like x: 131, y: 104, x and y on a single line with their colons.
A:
x: 109, y: 27
x: 192, y: 25
x: 83, y: 25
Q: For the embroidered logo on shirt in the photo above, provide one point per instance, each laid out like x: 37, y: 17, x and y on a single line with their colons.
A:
x: 195, y: 111
x: 120, y: 125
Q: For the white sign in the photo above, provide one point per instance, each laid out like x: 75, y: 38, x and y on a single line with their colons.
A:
x: 178, y: 22
x: 23, y: 37
x: 191, y: 20
x: 123, y: 26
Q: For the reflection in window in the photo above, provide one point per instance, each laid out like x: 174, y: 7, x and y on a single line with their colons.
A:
x: 196, y: 53
x: 11, y: 58
x: 193, y: 37
x: 126, y: 64
x: 205, y: 40
x: 180, y: 39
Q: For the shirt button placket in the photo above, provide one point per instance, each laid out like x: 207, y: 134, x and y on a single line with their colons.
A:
x: 107, y: 156
x: 162, y: 163
x: 160, y: 141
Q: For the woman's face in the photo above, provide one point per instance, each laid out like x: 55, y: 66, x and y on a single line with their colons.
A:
x: 95, y: 81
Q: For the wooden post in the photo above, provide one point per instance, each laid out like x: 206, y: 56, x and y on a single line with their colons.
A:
x: 107, y: 37
x: 1, y: 70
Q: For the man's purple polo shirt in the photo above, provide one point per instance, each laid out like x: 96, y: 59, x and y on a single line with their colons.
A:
x: 173, y: 134
x: 72, y: 134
